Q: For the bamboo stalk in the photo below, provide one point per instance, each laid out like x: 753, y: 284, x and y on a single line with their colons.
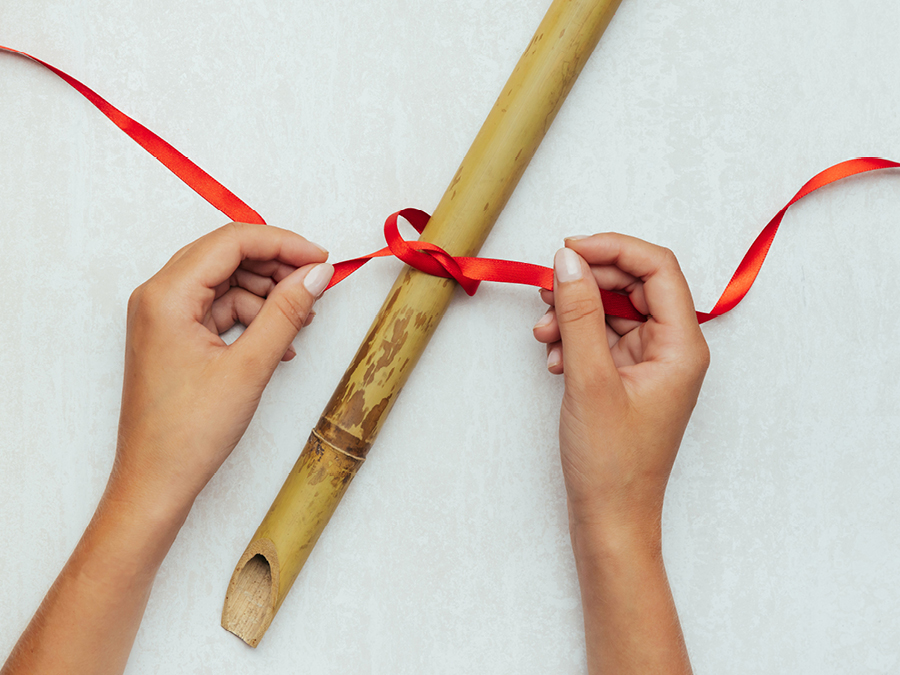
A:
x: 353, y: 417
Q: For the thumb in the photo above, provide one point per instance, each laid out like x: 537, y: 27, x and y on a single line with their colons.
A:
x: 587, y: 361
x: 282, y: 316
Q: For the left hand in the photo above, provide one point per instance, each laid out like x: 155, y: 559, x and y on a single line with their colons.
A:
x: 188, y: 397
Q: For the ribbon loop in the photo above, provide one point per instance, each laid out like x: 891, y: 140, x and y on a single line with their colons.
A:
x: 424, y: 256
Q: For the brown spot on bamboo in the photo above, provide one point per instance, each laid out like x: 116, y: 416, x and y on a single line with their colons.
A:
x: 356, y: 404
x: 374, y: 417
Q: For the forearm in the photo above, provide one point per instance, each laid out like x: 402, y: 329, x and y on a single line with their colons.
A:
x: 631, y: 625
x: 88, y: 620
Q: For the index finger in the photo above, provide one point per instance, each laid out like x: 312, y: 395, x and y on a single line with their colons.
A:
x: 214, y: 257
x: 667, y: 297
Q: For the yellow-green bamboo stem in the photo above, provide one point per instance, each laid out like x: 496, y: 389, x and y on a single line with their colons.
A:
x: 357, y: 409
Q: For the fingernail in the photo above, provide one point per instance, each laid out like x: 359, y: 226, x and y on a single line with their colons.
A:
x: 576, y: 237
x: 309, y: 319
x: 291, y: 352
x: 554, y: 358
x: 317, y: 279
x: 544, y: 320
x: 318, y: 246
x: 567, y: 265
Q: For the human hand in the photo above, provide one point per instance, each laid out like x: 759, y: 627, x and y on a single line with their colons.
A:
x: 630, y: 387
x: 188, y: 397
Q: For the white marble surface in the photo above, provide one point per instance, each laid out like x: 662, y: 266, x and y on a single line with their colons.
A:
x: 691, y: 126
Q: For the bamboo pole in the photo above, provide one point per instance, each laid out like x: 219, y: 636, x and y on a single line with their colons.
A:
x: 353, y: 417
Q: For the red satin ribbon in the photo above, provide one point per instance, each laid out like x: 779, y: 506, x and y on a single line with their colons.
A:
x: 431, y: 259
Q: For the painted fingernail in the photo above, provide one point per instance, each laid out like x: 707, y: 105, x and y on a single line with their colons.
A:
x: 544, y: 320
x: 318, y: 246
x: 576, y: 237
x: 291, y: 352
x: 554, y: 358
x: 309, y: 319
x: 567, y: 265
x: 317, y: 279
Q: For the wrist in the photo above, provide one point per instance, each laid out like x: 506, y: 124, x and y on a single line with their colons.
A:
x: 121, y: 551
x: 137, y: 522
x: 136, y: 504
x: 630, y: 620
x: 144, y: 481
x: 133, y: 535
x: 634, y: 533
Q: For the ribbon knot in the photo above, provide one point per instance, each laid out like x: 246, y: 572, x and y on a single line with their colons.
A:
x: 422, y: 255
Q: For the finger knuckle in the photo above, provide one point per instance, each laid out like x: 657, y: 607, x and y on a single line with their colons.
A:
x: 694, y: 360
x: 292, y: 309
x: 134, y: 300
x: 151, y: 299
x: 669, y: 259
x: 703, y: 354
x: 233, y: 230
x: 577, y: 309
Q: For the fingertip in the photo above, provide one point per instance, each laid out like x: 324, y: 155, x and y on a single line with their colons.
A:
x: 317, y: 279
x: 322, y: 249
x: 546, y: 330
x: 554, y: 359
x: 568, y: 266
x: 544, y: 321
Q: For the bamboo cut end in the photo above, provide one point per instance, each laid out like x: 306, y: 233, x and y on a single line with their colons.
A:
x: 250, y: 602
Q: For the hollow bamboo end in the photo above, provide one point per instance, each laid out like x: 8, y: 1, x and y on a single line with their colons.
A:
x: 250, y: 602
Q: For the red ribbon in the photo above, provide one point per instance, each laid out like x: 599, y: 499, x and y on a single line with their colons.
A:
x: 431, y: 259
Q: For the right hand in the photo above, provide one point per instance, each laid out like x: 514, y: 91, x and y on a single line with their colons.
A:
x: 630, y: 387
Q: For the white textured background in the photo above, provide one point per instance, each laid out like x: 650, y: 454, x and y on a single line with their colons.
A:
x: 691, y: 126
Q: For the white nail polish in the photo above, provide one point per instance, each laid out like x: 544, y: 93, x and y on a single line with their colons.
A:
x: 567, y: 265
x: 317, y: 279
